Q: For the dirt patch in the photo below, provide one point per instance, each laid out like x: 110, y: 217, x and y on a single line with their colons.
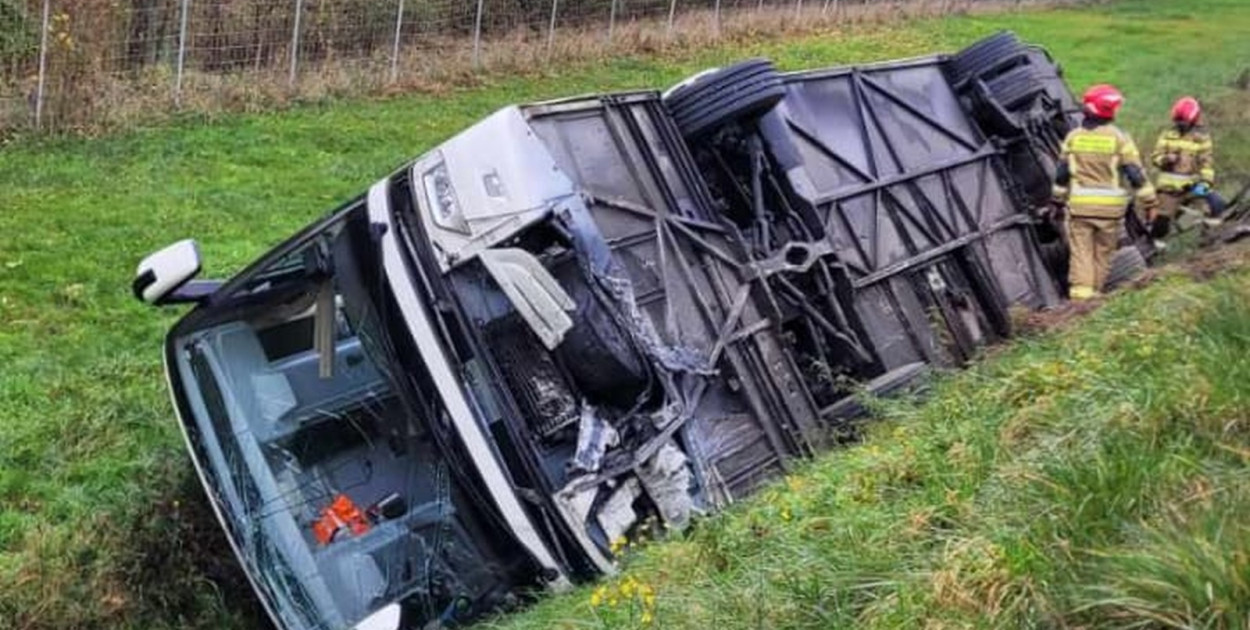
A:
x: 1056, y: 318
x: 1208, y: 263
x: 185, y: 564
x: 1201, y: 266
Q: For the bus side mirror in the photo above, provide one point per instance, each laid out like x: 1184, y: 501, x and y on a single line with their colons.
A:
x: 164, y: 277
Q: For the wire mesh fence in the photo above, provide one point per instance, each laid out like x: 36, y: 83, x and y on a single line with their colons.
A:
x: 82, y: 64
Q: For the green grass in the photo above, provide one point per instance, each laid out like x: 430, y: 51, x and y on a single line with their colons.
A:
x: 1044, y: 485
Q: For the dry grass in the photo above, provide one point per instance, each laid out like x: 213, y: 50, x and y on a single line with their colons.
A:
x: 84, y: 98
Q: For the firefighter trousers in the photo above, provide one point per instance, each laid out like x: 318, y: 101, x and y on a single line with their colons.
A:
x: 1092, y: 242
x: 1170, y: 202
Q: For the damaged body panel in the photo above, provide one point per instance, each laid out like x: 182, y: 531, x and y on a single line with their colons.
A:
x: 582, y: 320
x: 670, y: 393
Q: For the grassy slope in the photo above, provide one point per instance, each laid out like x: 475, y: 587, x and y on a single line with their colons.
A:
x: 96, y: 512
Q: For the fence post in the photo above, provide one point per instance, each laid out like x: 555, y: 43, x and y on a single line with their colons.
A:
x: 43, y: 64
x: 716, y: 18
x: 611, y: 20
x: 399, y: 25
x: 551, y: 27
x: 672, y: 12
x: 299, y: 11
x: 798, y: 10
x: 477, y: 36
x: 182, y: 51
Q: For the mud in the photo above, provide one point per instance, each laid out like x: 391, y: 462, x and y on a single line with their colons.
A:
x: 1201, y: 266
x: 1208, y: 263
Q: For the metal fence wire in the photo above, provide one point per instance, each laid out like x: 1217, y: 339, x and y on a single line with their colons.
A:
x: 80, y: 64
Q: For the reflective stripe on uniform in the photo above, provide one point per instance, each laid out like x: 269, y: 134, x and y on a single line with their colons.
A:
x: 1174, y: 181
x: 1186, y: 145
x: 1093, y: 143
x: 1098, y: 197
x: 1079, y: 292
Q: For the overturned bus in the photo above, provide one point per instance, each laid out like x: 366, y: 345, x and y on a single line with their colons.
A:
x: 583, y: 319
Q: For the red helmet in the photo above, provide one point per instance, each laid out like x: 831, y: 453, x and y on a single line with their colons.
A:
x: 1186, y: 110
x: 1103, y: 101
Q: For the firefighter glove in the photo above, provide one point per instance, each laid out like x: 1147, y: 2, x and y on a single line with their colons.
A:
x: 1201, y: 189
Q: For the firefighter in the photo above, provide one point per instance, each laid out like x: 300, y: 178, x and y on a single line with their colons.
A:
x: 1185, y: 159
x: 1098, y: 176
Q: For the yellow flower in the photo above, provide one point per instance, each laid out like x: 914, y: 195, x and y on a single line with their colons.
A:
x: 647, y: 618
x: 597, y: 597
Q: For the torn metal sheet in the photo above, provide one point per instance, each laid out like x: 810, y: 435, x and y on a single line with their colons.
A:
x: 617, y: 515
x: 594, y: 437
x: 667, y: 479
x: 539, y: 299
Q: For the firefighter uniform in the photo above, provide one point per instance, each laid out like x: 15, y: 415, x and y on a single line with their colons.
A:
x: 1100, y: 167
x: 1185, y: 159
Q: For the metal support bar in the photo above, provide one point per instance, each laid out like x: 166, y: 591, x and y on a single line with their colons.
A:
x: 906, y: 177
x: 902, y: 215
x: 706, y: 246
x: 672, y: 12
x: 611, y: 20
x: 551, y: 27
x: 937, y: 252
x: 731, y: 320
x: 811, y: 137
x: 299, y: 11
x: 800, y: 300
x: 893, y: 210
x: 182, y: 51
x: 848, y: 71
x: 861, y: 105
x: 477, y: 36
x: 981, y: 190
x: 399, y: 29
x: 641, y: 210
x: 888, y: 93
x: 43, y: 65
x: 956, y: 200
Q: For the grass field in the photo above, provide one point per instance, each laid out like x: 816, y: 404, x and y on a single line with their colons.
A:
x: 1090, y: 477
